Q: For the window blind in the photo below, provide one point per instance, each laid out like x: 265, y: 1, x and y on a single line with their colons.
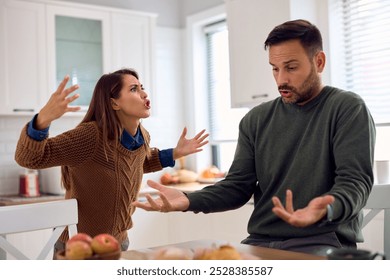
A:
x: 223, y: 120
x: 365, y: 34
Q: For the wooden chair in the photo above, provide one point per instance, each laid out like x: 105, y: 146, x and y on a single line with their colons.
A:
x: 55, y: 215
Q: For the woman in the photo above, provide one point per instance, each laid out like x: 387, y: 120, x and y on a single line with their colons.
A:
x: 104, y: 158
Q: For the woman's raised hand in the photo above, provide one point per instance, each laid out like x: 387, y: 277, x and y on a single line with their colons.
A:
x: 189, y: 146
x: 57, y: 105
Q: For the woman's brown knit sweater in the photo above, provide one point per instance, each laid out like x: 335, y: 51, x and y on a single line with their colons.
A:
x: 103, y: 182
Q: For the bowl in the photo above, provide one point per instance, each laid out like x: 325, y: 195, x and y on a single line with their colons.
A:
x: 107, y: 256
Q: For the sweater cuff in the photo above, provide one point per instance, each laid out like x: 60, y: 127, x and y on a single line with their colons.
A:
x: 197, y: 203
x: 37, y: 135
x: 152, y: 163
x: 337, y: 209
x: 30, y: 143
x: 166, y: 158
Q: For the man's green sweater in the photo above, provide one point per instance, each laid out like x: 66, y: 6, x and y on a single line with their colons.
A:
x: 323, y: 147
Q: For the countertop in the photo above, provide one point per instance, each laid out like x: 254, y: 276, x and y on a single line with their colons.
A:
x: 260, y: 252
x: 15, y: 199
x: 185, y: 187
x: 7, y: 200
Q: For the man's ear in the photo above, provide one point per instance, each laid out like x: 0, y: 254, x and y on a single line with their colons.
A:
x: 114, y: 106
x: 319, y: 61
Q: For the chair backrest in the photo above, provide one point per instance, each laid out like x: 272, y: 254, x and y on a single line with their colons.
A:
x: 378, y: 201
x: 55, y: 215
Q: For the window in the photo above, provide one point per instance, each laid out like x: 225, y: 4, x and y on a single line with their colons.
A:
x: 223, y: 120
x: 361, y: 51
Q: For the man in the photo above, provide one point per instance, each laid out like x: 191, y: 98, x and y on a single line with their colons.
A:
x: 314, y: 141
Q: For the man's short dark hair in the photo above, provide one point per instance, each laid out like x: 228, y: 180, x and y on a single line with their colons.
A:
x: 302, y: 30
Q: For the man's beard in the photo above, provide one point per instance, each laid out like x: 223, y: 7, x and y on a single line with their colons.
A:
x: 306, y: 91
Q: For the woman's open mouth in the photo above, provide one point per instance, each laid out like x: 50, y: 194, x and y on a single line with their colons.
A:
x: 147, y: 104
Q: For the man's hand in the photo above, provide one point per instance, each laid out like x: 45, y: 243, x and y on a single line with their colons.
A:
x: 169, y: 200
x: 312, y: 213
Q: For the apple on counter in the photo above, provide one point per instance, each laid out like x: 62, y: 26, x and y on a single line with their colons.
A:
x: 82, y: 246
x: 80, y: 237
x: 104, y: 243
x: 78, y: 250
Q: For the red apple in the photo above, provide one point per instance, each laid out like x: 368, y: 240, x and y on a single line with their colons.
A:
x: 104, y: 243
x: 166, y: 179
x: 80, y: 237
x: 78, y: 250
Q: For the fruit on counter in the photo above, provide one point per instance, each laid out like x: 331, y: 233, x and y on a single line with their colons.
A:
x: 169, y: 179
x: 224, y: 252
x: 179, y: 176
x: 171, y: 253
x: 82, y: 246
x: 212, y: 172
x: 186, y: 176
x: 104, y: 243
x: 78, y: 250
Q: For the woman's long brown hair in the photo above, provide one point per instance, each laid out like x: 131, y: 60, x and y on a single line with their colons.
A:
x: 101, y: 111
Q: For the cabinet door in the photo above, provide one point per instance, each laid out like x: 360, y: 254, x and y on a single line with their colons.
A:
x: 150, y: 229
x: 133, y: 45
x: 23, y: 57
x: 78, y: 46
x: 249, y: 23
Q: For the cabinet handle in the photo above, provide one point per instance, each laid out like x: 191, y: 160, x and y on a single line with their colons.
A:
x: 256, y: 96
x: 23, y: 110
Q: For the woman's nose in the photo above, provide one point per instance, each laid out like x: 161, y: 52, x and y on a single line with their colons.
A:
x: 143, y: 94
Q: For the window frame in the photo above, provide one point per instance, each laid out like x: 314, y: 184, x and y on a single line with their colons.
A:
x: 196, y: 82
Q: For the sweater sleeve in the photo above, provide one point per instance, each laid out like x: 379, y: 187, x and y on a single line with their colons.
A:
x: 238, y: 186
x: 353, y: 149
x: 152, y: 162
x: 69, y: 148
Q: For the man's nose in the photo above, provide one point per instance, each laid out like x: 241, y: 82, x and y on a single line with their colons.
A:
x: 281, y: 78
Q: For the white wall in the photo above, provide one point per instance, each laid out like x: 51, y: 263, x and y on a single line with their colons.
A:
x: 167, y: 120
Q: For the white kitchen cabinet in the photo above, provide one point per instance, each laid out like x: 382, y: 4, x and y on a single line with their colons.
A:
x: 249, y: 23
x: 149, y: 229
x: 79, y: 45
x: 23, y: 56
x: 133, y: 44
x: 35, y: 58
x: 157, y: 229
x: 126, y: 41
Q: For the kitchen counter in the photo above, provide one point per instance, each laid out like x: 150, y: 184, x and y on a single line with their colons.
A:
x: 7, y: 200
x: 185, y: 187
x: 260, y: 252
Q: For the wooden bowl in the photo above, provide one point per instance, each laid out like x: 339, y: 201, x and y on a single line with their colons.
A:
x: 108, y: 256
